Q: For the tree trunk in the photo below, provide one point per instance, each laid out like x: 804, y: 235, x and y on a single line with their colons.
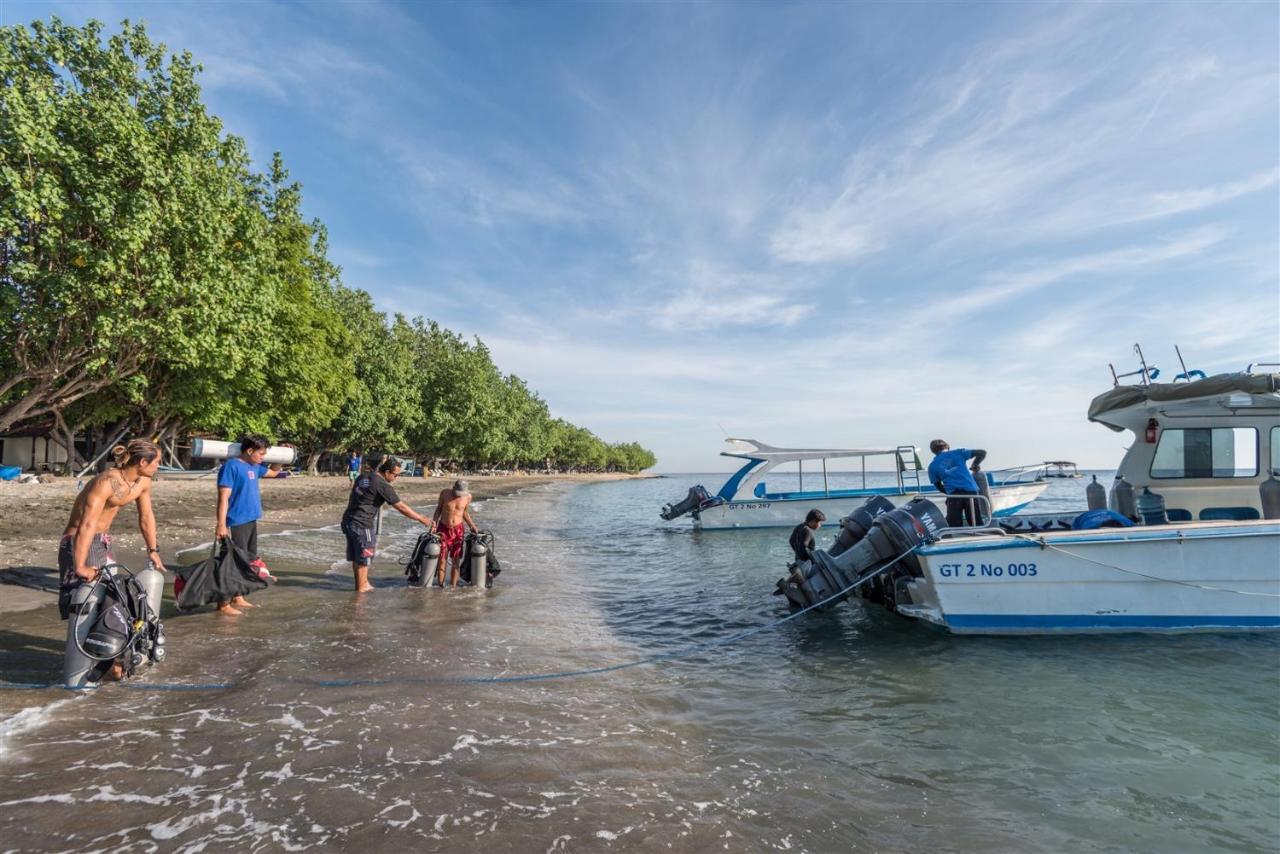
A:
x: 313, y: 462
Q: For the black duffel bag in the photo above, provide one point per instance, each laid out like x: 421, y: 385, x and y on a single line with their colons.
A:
x: 226, y: 573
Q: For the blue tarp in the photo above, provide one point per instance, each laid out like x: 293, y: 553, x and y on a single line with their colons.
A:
x: 10, y: 472
x: 1100, y: 519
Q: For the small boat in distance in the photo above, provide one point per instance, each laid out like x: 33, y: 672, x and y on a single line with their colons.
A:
x: 1059, y: 469
x: 744, y: 501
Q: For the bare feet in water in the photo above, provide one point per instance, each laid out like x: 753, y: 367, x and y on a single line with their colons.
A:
x: 241, y: 602
x: 225, y: 608
x: 365, y: 588
x: 115, y: 674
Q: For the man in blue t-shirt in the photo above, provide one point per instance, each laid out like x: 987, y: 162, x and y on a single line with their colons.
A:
x: 240, y: 507
x: 950, y: 477
x: 354, y: 462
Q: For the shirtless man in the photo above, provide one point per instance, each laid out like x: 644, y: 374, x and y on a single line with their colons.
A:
x: 452, y: 510
x: 86, y: 542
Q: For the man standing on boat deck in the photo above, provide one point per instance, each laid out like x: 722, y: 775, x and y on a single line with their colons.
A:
x: 453, y: 509
x: 949, y: 476
x: 240, y: 507
x: 802, y: 540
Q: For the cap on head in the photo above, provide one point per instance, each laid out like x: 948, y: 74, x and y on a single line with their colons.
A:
x: 937, y: 446
x: 461, y: 487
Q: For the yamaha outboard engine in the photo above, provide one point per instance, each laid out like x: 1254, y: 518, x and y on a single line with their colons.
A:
x: 891, y: 535
x: 697, y: 499
x: 855, y: 526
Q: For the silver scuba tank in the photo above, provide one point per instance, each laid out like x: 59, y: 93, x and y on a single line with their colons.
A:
x: 432, y: 564
x: 1150, y: 507
x: 152, y: 581
x: 1269, y: 491
x: 86, y: 605
x: 1123, y: 500
x: 479, y: 563
x: 1096, y: 495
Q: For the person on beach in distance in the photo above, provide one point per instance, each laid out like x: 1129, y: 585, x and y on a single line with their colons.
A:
x: 240, y: 507
x: 354, y: 460
x: 950, y: 477
x: 359, y: 523
x: 802, y: 540
x: 86, y: 542
x: 452, y: 512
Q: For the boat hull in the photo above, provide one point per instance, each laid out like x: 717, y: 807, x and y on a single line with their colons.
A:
x: 1142, y: 579
x: 789, y: 512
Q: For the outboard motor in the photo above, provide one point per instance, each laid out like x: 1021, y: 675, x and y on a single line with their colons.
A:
x: 855, y: 526
x: 697, y: 499
x: 891, y: 534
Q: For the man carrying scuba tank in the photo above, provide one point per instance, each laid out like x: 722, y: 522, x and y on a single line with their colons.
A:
x: 85, y: 547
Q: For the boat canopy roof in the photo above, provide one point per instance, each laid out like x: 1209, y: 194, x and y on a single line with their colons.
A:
x: 751, y: 449
x: 1220, y: 385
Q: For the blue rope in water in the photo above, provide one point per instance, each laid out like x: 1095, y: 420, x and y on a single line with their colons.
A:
x: 684, y: 652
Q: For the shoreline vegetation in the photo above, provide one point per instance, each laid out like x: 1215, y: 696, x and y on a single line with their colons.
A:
x: 154, y: 285
x: 32, y: 518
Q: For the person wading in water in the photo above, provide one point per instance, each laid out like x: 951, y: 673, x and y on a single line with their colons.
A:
x: 240, y: 508
x: 360, y: 522
x: 453, y: 509
x: 86, y: 541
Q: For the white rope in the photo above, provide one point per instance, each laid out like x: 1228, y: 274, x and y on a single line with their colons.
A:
x: 1040, y: 542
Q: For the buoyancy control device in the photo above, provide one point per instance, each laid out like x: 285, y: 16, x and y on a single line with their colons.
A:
x: 111, y: 619
x: 873, y: 537
x: 697, y: 500
x: 420, y: 568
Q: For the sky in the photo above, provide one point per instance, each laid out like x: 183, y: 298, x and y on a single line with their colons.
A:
x: 812, y: 224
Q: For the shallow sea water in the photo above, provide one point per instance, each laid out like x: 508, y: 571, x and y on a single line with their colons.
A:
x: 854, y: 730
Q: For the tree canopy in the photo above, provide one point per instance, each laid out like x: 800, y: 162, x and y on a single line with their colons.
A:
x: 150, y: 279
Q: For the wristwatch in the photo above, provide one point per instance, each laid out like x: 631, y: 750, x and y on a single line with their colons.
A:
x: 153, y: 551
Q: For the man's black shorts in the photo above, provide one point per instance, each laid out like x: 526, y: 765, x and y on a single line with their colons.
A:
x: 361, y: 543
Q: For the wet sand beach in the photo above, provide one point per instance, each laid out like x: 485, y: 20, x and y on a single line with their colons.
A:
x: 33, y: 517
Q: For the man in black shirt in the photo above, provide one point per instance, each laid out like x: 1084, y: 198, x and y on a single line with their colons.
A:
x: 802, y: 541
x: 370, y: 491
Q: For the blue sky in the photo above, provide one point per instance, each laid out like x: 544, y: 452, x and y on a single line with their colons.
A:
x: 812, y: 224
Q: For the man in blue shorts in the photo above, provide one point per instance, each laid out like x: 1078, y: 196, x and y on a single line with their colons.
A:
x: 240, y: 507
x: 950, y: 477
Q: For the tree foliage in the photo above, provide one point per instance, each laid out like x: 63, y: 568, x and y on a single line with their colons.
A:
x: 150, y: 278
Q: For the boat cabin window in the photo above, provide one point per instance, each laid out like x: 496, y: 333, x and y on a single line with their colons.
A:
x: 1206, y: 452
x: 1275, y: 451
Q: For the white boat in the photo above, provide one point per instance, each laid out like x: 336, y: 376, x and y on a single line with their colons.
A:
x: 1206, y: 556
x: 744, y: 501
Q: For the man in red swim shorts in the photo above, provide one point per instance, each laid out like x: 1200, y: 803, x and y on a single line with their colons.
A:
x: 452, y: 518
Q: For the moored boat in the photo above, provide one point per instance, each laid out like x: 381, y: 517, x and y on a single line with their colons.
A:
x: 1195, y: 544
x: 745, y: 501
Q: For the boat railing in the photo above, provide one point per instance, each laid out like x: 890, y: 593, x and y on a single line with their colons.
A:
x: 907, y: 458
x: 1029, y: 473
x: 976, y: 503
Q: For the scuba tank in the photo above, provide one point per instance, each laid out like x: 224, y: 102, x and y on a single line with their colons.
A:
x: 152, y: 581
x: 111, y: 620
x: 1151, y: 507
x: 479, y: 562
x: 1122, y: 500
x: 1269, y: 490
x: 420, y: 569
x: 77, y: 667
x: 981, y: 512
x: 1096, y: 495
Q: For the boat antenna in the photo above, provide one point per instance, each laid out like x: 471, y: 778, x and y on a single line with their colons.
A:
x: 1181, y: 361
x: 724, y: 431
x: 1146, y: 374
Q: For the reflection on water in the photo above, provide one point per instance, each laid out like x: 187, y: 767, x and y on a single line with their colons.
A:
x: 851, y: 730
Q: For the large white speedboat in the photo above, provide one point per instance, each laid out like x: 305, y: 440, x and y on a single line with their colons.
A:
x: 1204, y: 556
x: 744, y: 501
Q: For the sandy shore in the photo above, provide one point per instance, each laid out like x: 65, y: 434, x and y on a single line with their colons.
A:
x: 32, y: 518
